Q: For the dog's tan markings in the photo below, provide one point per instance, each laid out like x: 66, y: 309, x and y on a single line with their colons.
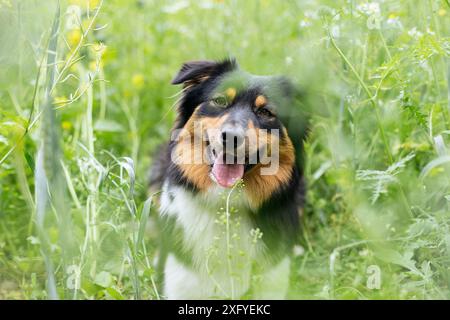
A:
x: 260, y: 101
x: 250, y: 124
x: 259, y: 187
x: 231, y: 93
x: 196, y: 173
x: 213, y: 122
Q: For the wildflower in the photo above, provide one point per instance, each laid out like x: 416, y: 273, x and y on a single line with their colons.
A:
x: 74, y: 37
x: 298, y: 250
x: 3, y: 140
x: 364, y: 253
x: 369, y: 9
x: 394, y: 21
x: 138, y: 80
x: 442, y: 12
x: 98, y: 48
x: 373, y: 12
x: 289, y: 60
x: 311, y: 15
x: 414, y: 33
x: 335, y: 31
x: 86, y: 4
x: 305, y: 23
x: 66, y: 125
x: 175, y: 7
x: 73, y: 13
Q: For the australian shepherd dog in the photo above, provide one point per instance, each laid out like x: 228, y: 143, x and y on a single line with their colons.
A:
x: 232, y: 184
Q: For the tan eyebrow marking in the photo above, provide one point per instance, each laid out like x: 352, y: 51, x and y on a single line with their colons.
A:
x: 231, y: 93
x: 260, y: 101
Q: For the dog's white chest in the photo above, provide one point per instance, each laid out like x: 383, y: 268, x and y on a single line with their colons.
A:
x: 221, y: 238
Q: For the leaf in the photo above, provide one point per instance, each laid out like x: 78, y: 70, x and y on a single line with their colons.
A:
x: 103, y: 279
x: 42, y: 167
x: 128, y: 165
x: 393, y: 256
x: 30, y: 160
x: 143, y: 221
x: 114, y: 293
x: 420, y: 227
x: 435, y: 163
x: 382, y: 178
x: 414, y: 112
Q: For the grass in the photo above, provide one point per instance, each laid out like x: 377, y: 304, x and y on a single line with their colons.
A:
x: 85, y: 100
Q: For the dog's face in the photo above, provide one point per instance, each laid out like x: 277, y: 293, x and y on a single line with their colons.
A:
x: 230, y: 128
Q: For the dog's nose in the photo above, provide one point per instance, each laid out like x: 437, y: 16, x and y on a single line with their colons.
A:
x: 232, y: 137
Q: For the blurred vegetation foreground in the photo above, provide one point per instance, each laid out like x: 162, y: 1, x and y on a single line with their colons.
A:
x: 85, y: 100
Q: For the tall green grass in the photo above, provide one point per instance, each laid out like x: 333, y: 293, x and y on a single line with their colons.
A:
x: 85, y: 100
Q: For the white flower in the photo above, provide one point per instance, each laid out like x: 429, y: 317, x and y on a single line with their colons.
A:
x: 374, y: 22
x: 289, y: 60
x: 370, y: 9
x: 174, y: 7
x: 73, y: 13
x: 304, y: 23
x: 414, y: 33
x: 311, y: 14
x: 373, y: 12
x: 335, y: 31
x: 395, y: 22
x: 298, y: 250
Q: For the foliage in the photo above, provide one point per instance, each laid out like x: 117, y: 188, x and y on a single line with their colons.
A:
x: 85, y: 101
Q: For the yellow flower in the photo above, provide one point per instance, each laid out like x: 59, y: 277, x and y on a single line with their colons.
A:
x: 91, y: 4
x: 98, y: 48
x: 442, y: 12
x: 392, y: 16
x: 127, y: 93
x: 138, y: 80
x: 74, y: 37
x: 66, y: 125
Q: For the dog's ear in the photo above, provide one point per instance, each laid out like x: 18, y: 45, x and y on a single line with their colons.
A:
x: 195, y: 72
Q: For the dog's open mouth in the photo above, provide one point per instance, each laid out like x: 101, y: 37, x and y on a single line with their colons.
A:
x: 226, y: 175
x: 227, y: 169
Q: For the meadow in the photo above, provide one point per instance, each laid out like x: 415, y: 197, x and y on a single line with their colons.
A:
x: 85, y: 100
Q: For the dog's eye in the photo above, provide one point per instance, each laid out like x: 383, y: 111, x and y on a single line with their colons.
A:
x: 220, y: 101
x: 265, y: 112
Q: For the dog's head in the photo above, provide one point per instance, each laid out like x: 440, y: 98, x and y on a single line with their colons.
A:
x: 234, y: 126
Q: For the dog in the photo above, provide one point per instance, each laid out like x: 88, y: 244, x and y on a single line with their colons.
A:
x: 232, y: 184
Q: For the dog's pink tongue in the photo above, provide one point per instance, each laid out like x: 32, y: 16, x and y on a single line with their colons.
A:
x: 227, y: 174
